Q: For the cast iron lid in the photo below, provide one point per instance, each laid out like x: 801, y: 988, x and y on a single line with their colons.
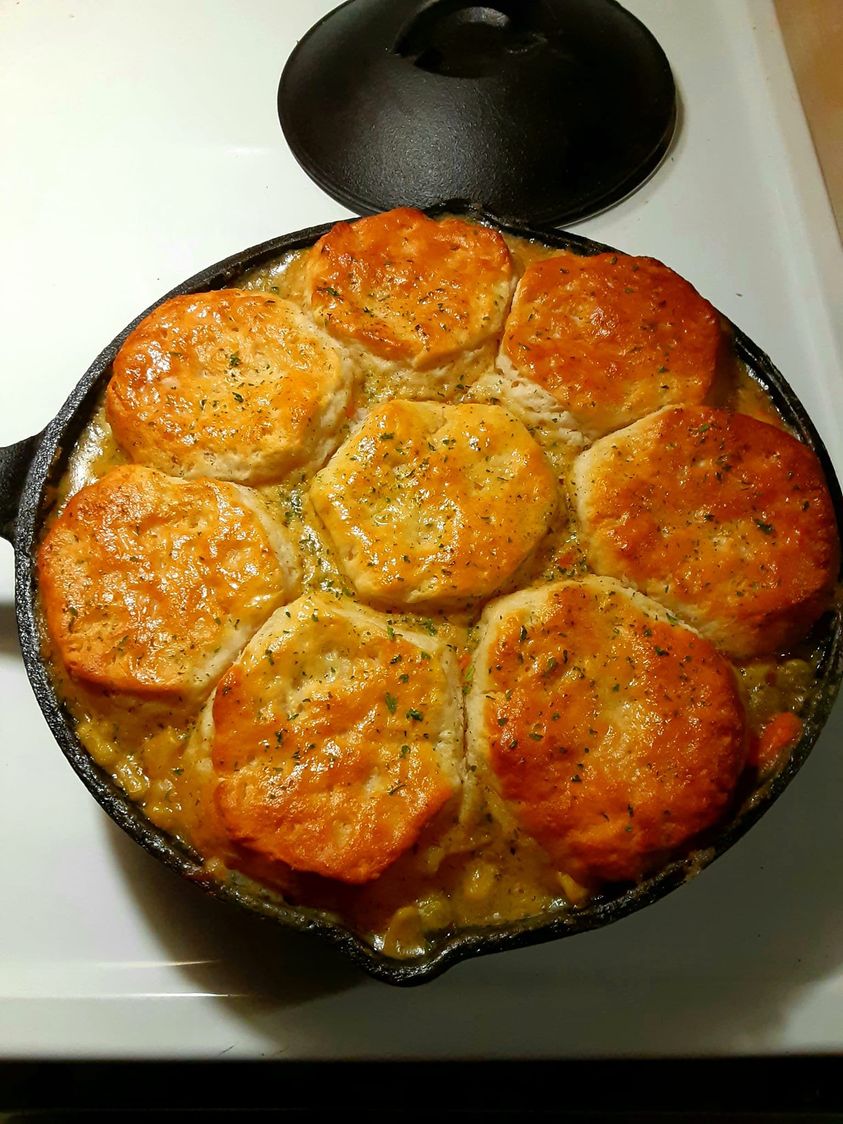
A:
x: 550, y: 110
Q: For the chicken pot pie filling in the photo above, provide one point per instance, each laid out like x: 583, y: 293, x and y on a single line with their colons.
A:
x: 435, y: 578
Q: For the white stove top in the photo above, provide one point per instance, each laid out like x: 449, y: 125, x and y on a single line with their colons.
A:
x: 141, y: 143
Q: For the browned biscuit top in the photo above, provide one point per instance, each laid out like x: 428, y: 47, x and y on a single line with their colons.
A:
x: 724, y: 519
x: 611, y: 337
x: 410, y: 289
x: 613, y: 735
x: 336, y: 738
x: 151, y: 585
x: 433, y: 504
x: 231, y: 384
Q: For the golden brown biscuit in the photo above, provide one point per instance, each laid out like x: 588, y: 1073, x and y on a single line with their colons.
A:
x: 336, y: 737
x: 409, y: 289
x: 611, y: 735
x: 430, y: 504
x: 724, y: 519
x: 611, y: 337
x: 151, y: 585
x: 230, y: 384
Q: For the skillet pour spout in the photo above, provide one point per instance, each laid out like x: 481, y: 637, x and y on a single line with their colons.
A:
x: 29, y: 471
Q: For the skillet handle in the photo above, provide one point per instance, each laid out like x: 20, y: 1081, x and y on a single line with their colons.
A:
x: 14, y: 465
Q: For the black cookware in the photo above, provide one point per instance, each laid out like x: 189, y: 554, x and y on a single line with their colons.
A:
x: 30, y: 469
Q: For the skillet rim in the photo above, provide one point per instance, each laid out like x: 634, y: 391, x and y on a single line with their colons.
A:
x: 26, y: 472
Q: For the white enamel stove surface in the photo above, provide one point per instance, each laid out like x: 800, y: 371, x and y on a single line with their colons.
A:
x: 140, y: 144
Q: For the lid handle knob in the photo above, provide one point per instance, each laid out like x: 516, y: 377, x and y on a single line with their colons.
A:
x: 457, y: 39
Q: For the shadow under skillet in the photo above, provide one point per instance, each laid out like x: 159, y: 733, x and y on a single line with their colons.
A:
x: 9, y: 641
x: 237, y: 954
x: 713, y: 968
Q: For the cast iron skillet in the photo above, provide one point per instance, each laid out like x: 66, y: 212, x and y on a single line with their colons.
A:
x: 29, y: 469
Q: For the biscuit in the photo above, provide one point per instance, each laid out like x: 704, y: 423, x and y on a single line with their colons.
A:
x: 228, y: 384
x: 336, y: 737
x: 411, y: 290
x: 435, y: 505
x: 611, y: 337
x: 610, y: 735
x: 724, y: 519
x: 150, y: 585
